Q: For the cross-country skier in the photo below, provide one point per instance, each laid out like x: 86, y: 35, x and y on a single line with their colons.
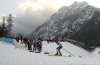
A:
x: 58, y: 48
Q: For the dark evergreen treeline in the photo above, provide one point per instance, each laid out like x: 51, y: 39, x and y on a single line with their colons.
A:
x: 5, y: 29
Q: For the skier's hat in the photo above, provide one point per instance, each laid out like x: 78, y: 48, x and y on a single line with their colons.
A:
x: 55, y: 40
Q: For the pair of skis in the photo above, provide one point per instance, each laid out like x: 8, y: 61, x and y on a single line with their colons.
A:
x: 62, y: 55
x: 58, y: 55
x: 65, y: 56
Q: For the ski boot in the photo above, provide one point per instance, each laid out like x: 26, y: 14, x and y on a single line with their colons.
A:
x: 60, y: 54
x: 56, y: 53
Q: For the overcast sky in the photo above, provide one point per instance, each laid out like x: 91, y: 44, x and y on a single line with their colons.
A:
x: 29, y: 14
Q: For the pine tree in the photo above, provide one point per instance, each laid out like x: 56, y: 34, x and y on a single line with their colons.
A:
x: 9, y: 26
x: 3, y: 29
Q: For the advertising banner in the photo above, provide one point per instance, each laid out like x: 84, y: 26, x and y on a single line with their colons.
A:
x: 8, y: 40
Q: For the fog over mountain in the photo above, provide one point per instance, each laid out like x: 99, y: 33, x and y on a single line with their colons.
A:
x: 27, y: 21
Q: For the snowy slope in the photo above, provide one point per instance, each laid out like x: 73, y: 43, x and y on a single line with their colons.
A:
x: 69, y: 47
x: 21, y: 56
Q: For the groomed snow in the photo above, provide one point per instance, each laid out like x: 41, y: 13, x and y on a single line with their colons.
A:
x: 21, y: 56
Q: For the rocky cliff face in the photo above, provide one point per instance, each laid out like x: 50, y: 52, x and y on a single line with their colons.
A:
x: 90, y: 32
x: 71, y: 22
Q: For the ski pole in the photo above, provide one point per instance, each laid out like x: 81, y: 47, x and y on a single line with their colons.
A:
x: 67, y: 51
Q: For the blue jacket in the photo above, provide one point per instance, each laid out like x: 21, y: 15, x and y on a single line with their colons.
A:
x: 58, y: 43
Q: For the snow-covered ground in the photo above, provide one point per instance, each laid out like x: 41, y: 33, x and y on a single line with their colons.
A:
x: 21, y: 56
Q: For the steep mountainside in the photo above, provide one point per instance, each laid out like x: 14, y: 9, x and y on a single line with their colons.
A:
x: 69, y: 22
x: 90, y: 33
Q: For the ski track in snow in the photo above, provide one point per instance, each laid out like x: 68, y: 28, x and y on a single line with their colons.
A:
x: 21, y: 56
